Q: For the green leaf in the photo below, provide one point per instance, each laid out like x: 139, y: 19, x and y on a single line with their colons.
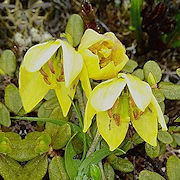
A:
x: 173, y: 168
x: 177, y: 138
x: 61, y: 135
x: 95, y: 172
x: 178, y: 71
x: 109, y: 171
x: 93, y: 158
x: 36, y: 168
x: 177, y: 120
x: 47, y: 107
x: 148, y: 175
x: 139, y: 73
x: 4, y: 115
x: 135, y: 18
x: 171, y: 91
x: 162, y: 148
x: 137, y: 139
x: 24, y: 150
x: 75, y: 27
x: 130, y: 66
x: 8, y: 62
x: 152, y: 151
x: 162, y: 106
x: 158, y: 95
x: 153, y: 68
x: 42, y: 143
x: 12, y: 98
x: 57, y: 169
x: 165, y: 137
x: 51, y: 94
x: 120, y: 164
x: 5, y: 145
x: 10, y: 169
x: 71, y: 163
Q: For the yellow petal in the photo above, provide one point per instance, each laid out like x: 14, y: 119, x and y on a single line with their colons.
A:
x: 92, y: 64
x: 63, y: 94
x: 89, y: 38
x: 141, y: 91
x: 110, y: 131
x: 85, y: 81
x: 146, y: 126
x: 39, y: 54
x: 72, y: 63
x: 159, y: 113
x: 32, y: 88
x: 105, y: 94
x: 89, y: 114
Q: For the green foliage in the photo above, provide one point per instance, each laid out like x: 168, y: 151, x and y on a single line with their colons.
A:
x: 178, y: 72
x: 60, y: 134
x: 75, y: 27
x: 173, y: 168
x: 8, y: 62
x: 120, y: 164
x: 12, y: 98
x: 10, y: 169
x: 152, y: 151
x: 139, y: 73
x: 137, y: 139
x: 165, y: 137
x: 95, y: 172
x: 109, y: 171
x: 135, y: 18
x: 36, y: 168
x: 130, y: 66
x: 152, y: 72
x: 148, y: 175
x: 171, y: 91
x: 57, y: 169
x: 4, y: 115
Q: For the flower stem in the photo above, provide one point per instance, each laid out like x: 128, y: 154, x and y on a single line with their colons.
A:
x: 94, y: 143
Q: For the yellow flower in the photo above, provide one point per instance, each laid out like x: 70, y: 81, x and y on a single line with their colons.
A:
x: 50, y: 65
x: 116, y: 104
x: 104, y: 56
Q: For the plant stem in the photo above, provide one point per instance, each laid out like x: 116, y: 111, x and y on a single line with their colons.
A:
x: 94, y: 143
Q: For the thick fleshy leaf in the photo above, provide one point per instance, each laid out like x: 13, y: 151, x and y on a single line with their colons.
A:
x: 63, y: 94
x: 72, y: 62
x: 89, y: 114
x: 39, y: 54
x: 85, y: 81
x: 159, y: 113
x: 146, y: 126
x: 89, y: 38
x: 112, y: 133
x: 141, y: 91
x: 105, y: 94
x: 32, y: 88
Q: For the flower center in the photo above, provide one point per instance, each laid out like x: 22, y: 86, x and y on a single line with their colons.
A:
x: 114, y: 112
x: 136, y: 112
x: 52, y: 71
x: 103, y: 50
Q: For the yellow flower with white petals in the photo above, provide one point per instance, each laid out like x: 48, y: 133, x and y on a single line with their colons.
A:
x: 118, y: 101
x: 51, y: 65
x: 104, y: 56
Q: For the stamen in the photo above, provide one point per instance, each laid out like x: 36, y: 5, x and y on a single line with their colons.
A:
x: 116, y: 117
x: 43, y: 73
x: 50, y: 64
x: 60, y: 78
x: 47, y: 81
x: 110, y: 113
